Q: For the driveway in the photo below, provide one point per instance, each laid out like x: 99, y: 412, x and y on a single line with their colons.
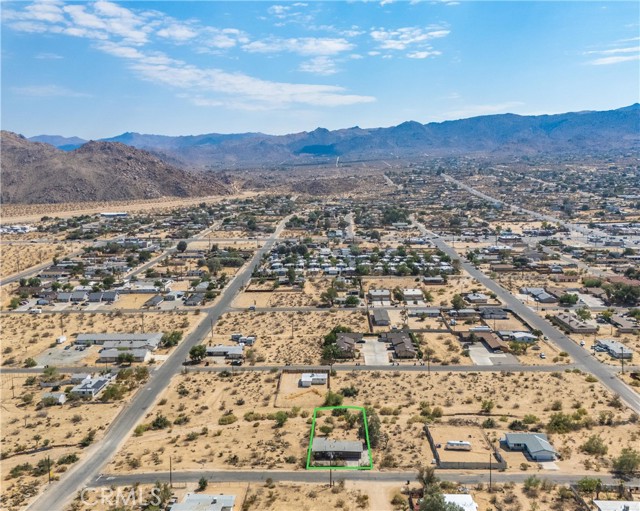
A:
x: 481, y: 356
x: 375, y: 352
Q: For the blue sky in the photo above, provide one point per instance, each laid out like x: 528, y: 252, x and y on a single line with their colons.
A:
x: 97, y: 69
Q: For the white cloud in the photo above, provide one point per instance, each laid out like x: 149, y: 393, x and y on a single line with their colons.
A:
x: 177, y: 32
x: 401, y: 38
x: 604, y: 61
x: 301, y: 46
x: 127, y: 34
x: 48, y: 91
x: 423, y: 54
x: 319, y: 66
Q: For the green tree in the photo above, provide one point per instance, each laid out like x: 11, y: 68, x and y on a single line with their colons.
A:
x: 125, y: 358
x: 595, y: 446
x: 182, y: 246
x: 281, y: 418
x: 628, y: 463
x: 373, y: 426
x: 457, y: 302
x: 198, y: 353
x: 202, y: 484
x: 333, y: 399
x: 436, y: 502
x: 160, y: 422
x: 329, y: 296
x: 589, y: 485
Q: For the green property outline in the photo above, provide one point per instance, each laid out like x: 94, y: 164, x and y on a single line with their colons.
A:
x: 366, y: 434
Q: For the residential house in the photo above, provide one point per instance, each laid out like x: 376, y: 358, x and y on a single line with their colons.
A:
x: 617, y: 505
x: 195, y: 300
x: 327, y: 449
x: 205, y: 502
x: 308, y: 379
x: 401, y: 343
x: 229, y: 352
x: 379, y: 295
x: 413, y: 295
x: 462, y: 500
x: 381, y: 317
x: 112, y: 355
x: 433, y: 281
x: 494, y: 313
x: 346, y: 342
x: 476, y: 298
x: 574, y: 324
x: 624, y: 325
x: 615, y: 349
x: 150, y: 340
x: 429, y: 312
x: 91, y: 387
x: 534, y: 445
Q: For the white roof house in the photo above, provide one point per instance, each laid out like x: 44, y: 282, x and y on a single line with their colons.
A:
x: 308, y: 379
x: 617, y: 505
x: 204, y: 502
x: 466, y: 502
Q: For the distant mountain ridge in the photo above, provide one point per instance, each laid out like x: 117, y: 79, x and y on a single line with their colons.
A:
x: 585, y: 132
x: 36, y: 172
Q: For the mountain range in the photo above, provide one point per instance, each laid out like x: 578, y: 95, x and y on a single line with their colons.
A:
x: 588, y: 132
x: 34, y: 172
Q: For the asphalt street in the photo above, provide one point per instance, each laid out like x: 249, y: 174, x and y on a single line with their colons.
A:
x: 580, y: 356
x: 56, y: 496
x: 318, y: 476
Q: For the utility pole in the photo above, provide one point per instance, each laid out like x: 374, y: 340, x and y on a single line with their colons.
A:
x: 622, y: 357
x: 490, y: 475
x: 292, y: 319
x: 170, y: 473
x: 13, y: 392
x: 49, y: 468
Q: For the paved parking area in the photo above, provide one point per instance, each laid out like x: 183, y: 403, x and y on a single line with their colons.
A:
x: 375, y: 352
x: 481, y: 356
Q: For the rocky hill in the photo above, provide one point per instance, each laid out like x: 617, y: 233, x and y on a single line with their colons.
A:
x: 582, y: 133
x: 34, y: 172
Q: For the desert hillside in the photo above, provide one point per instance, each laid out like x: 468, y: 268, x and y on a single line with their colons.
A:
x: 34, y: 172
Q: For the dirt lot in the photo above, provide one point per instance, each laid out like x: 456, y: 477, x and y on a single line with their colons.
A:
x: 273, y: 330
x: 19, y: 257
x: 205, y: 399
x: 291, y: 394
x: 28, y: 335
x: 480, y: 449
x: 25, y: 428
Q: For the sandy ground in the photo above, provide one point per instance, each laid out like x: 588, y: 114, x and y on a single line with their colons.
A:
x: 273, y: 330
x: 24, y: 213
x: 19, y: 257
x: 395, y: 396
x: 284, y: 296
x: 24, y: 428
x: 28, y: 335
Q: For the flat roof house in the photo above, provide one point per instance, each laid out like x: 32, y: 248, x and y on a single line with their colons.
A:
x: 413, y: 294
x: 617, y: 505
x: 381, y: 317
x: 326, y: 448
x: 535, y: 445
x: 476, y: 298
x: 624, y: 325
x: 59, y: 397
x: 308, y: 379
x: 91, y: 387
x: 463, y: 501
x: 494, y: 313
x: 230, y: 352
x: 379, y: 295
x: 205, y: 502
x: 112, y: 355
x: 615, y: 349
x: 150, y: 339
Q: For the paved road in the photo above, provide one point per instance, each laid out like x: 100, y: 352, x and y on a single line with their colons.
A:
x: 336, y: 367
x: 581, y: 357
x: 57, y: 495
x: 316, y: 476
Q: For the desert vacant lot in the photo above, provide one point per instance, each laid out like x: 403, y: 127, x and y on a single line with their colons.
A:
x: 273, y: 330
x: 228, y: 420
x: 26, y: 428
x: 29, y: 335
x: 19, y: 257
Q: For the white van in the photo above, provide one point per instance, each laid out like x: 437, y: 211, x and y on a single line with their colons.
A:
x: 36, y: 311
